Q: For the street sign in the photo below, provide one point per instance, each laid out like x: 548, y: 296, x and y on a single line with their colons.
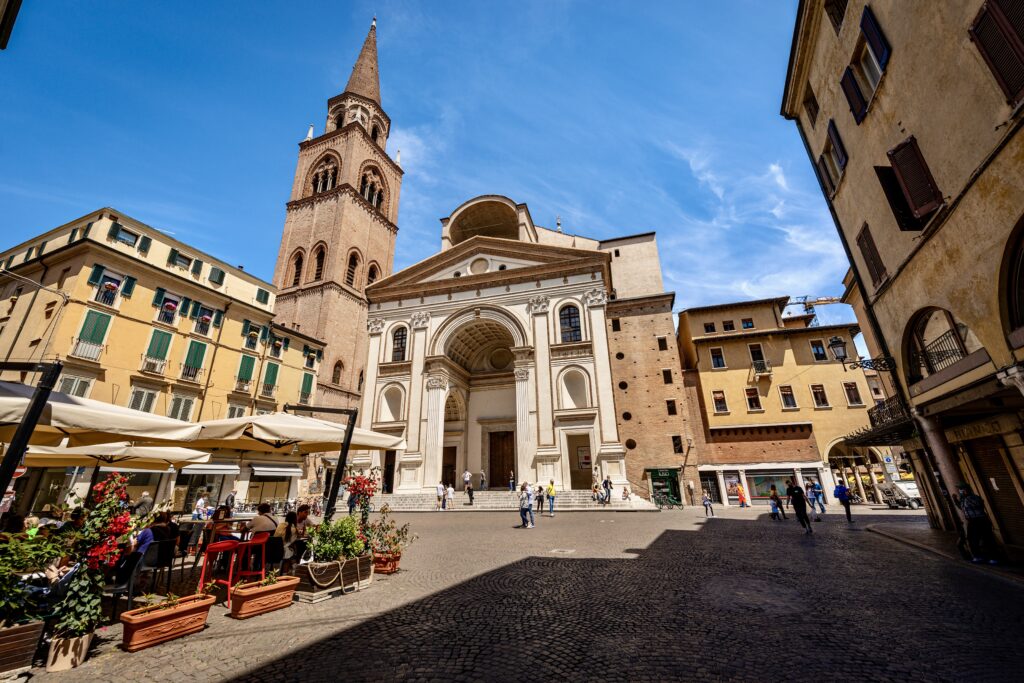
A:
x: 19, y: 471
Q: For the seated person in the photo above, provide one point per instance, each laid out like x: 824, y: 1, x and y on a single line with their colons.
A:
x: 262, y: 522
x: 220, y: 525
x: 75, y: 523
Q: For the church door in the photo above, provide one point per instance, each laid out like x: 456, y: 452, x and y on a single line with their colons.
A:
x: 502, y: 458
x: 389, y: 471
x: 448, y: 466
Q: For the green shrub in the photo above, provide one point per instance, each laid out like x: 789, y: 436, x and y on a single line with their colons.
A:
x: 338, y: 540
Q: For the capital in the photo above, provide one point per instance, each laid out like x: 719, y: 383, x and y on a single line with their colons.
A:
x: 375, y: 326
x: 522, y: 374
x: 420, y: 320
x: 434, y: 383
x: 537, y: 305
x: 596, y: 297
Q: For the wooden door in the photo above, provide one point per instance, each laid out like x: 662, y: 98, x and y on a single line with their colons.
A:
x: 389, y: 471
x: 448, y: 466
x: 1005, y: 504
x: 502, y: 458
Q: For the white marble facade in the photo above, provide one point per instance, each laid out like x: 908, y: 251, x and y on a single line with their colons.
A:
x: 497, y: 371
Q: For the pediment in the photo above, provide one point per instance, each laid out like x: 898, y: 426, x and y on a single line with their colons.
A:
x: 487, y: 260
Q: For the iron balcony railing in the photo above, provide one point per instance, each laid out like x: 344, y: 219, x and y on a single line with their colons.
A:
x: 761, y: 367
x: 153, y: 365
x: 190, y: 373
x: 105, y: 296
x: 891, y: 411
x: 943, y: 351
x: 86, y: 350
x: 167, y: 316
x: 268, y: 390
x: 304, y: 398
x: 250, y: 341
x: 202, y: 327
x: 243, y: 384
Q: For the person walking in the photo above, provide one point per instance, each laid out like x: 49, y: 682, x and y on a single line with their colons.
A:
x: 551, y: 498
x: 819, y: 496
x: 524, y: 506
x: 979, y: 528
x: 607, y: 486
x: 440, y: 497
x: 540, y: 499
x: 812, y: 498
x: 451, y: 497
x: 741, y: 493
x: 199, y: 510
x: 483, y: 480
x: 842, y: 494
x: 773, y: 495
x: 230, y: 500
x: 467, y: 479
x: 511, y: 481
x: 145, y: 504
x: 469, y: 492
x: 798, y: 499
x: 706, y: 501
x: 530, y: 498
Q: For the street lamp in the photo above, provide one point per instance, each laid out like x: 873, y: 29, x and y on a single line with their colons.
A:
x: 838, y: 347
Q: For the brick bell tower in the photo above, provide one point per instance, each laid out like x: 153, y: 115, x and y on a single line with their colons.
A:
x: 340, y: 228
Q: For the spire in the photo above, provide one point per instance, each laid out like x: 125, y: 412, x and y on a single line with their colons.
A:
x: 309, y: 134
x: 365, y: 80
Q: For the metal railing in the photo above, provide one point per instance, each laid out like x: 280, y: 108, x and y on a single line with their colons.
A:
x: 250, y: 342
x: 304, y: 398
x: 760, y: 367
x: 202, y: 327
x: 891, y: 411
x: 268, y: 390
x: 243, y: 384
x: 153, y: 365
x: 86, y: 349
x: 943, y: 351
x: 191, y: 374
x: 105, y: 296
x: 166, y: 316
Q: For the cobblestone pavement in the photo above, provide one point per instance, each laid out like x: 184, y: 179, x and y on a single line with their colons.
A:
x: 621, y: 596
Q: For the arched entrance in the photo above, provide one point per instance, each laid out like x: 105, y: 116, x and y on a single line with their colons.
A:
x: 860, y: 467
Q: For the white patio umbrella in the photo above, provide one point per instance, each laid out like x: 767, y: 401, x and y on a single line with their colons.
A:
x: 125, y: 454
x: 84, y: 422
x: 287, y: 433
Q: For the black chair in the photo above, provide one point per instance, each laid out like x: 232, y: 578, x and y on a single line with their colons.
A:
x: 124, y: 581
x: 275, y: 552
x: 159, y: 556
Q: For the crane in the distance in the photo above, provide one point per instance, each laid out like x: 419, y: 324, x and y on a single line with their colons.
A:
x: 809, y: 302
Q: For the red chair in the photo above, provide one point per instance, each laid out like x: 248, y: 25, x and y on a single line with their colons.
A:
x: 246, y: 552
x: 212, y: 551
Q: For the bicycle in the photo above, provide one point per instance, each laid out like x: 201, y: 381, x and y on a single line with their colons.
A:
x: 665, y: 501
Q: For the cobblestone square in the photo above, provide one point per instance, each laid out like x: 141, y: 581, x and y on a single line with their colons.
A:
x: 621, y: 596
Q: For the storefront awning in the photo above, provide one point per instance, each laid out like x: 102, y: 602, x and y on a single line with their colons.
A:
x: 276, y: 471
x: 212, y: 468
x: 135, y: 470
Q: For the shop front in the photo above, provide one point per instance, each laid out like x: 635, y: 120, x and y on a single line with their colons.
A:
x: 723, y: 482
x: 665, y: 482
x: 211, y: 480
x: 272, y: 483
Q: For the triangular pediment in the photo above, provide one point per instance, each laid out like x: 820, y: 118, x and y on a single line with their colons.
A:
x: 486, y: 260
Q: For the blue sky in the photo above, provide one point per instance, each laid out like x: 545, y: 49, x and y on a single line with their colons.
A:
x: 621, y: 118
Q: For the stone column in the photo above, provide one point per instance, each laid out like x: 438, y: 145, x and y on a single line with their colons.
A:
x: 721, y: 488
x: 799, y: 478
x: 935, y: 438
x: 419, y: 323
x: 433, y: 446
x: 538, y: 310
x: 374, y: 327
x: 524, y: 437
x: 596, y: 300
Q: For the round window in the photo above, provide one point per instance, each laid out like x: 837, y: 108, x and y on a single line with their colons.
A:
x: 623, y: 385
x: 478, y: 266
x: 502, y: 267
x: 458, y: 273
x: 620, y: 355
x: 501, y: 359
x: 627, y: 416
x: 630, y: 444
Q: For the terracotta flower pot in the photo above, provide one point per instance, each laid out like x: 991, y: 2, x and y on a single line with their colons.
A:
x: 386, y: 563
x: 250, y: 599
x: 18, y: 645
x: 67, y: 653
x: 146, y: 626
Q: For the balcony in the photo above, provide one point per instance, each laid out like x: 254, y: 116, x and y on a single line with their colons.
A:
x: 250, y: 341
x: 203, y: 327
x: 942, y: 352
x: 167, y: 316
x: 760, y: 368
x: 268, y: 390
x: 152, y: 365
x: 86, y: 350
x: 105, y: 295
x: 891, y: 425
x: 304, y: 398
x: 191, y: 374
x: 243, y: 385
x: 891, y: 411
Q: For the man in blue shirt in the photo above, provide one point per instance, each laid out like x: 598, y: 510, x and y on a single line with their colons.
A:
x: 842, y: 494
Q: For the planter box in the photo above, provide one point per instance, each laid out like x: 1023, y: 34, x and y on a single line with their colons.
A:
x: 250, y: 599
x: 18, y: 645
x: 386, y: 563
x: 348, y: 575
x: 67, y: 653
x: 146, y: 627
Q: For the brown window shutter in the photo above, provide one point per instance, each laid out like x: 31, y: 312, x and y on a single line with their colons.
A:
x: 870, y: 253
x: 835, y: 9
x: 875, y: 38
x: 811, y: 105
x: 915, y: 179
x: 897, y: 201
x: 1001, y: 45
x: 826, y: 179
x: 837, y: 144
x: 858, y: 105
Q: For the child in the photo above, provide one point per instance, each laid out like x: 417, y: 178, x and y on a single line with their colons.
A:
x: 775, y: 508
x: 706, y: 501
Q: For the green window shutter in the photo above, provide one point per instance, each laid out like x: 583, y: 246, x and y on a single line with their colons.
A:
x: 94, y: 329
x: 246, y: 367
x: 97, y: 274
x: 10, y: 260
x: 144, y: 244
x: 264, y: 333
x: 112, y: 232
x: 286, y: 340
x: 270, y: 376
x: 262, y: 296
x: 218, y: 317
x: 197, y: 267
x: 74, y: 234
x: 28, y: 254
x: 159, y: 345
x: 195, y: 310
x: 305, y: 350
x: 183, y: 306
x: 42, y: 247
x: 307, y: 383
x: 216, y: 276
x: 88, y: 229
x: 172, y: 257
x: 245, y: 327
x: 128, y: 286
x: 158, y: 298
x: 320, y: 354
x: 196, y: 351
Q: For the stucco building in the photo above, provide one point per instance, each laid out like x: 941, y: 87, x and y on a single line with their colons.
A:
x: 775, y: 402
x: 143, y: 320
x: 911, y: 119
x: 496, y: 355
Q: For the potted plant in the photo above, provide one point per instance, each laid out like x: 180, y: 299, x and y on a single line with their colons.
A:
x: 110, y: 286
x: 362, y: 488
x: 386, y: 541
x: 96, y: 546
x: 340, y: 558
x: 172, y: 617
x: 170, y: 306
x: 258, y: 597
x: 22, y: 618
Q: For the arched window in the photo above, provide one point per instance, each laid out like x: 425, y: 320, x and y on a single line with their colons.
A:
x: 339, y: 368
x: 325, y: 176
x: 371, y: 193
x: 1015, y: 285
x: 372, y: 275
x: 569, y: 323
x: 375, y: 133
x: 391, y: 405
x: 318, y: 263
x: 339, y: 121
x: 380, y: 200
x: 398, y: 339
x: 574, y: 390
x: 350, y: 273
x: 363, y: 184
x: 937, y: 341
x: 297, y: 270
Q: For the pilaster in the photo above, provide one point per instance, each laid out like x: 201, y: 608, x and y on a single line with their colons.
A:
x: 524, y: 436
x: 538, y: 310
x: 437, y: 392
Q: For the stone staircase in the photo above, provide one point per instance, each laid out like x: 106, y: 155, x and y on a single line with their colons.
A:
x: 504, y: 501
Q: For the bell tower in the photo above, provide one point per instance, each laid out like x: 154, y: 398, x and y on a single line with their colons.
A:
x: 340, y: 229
